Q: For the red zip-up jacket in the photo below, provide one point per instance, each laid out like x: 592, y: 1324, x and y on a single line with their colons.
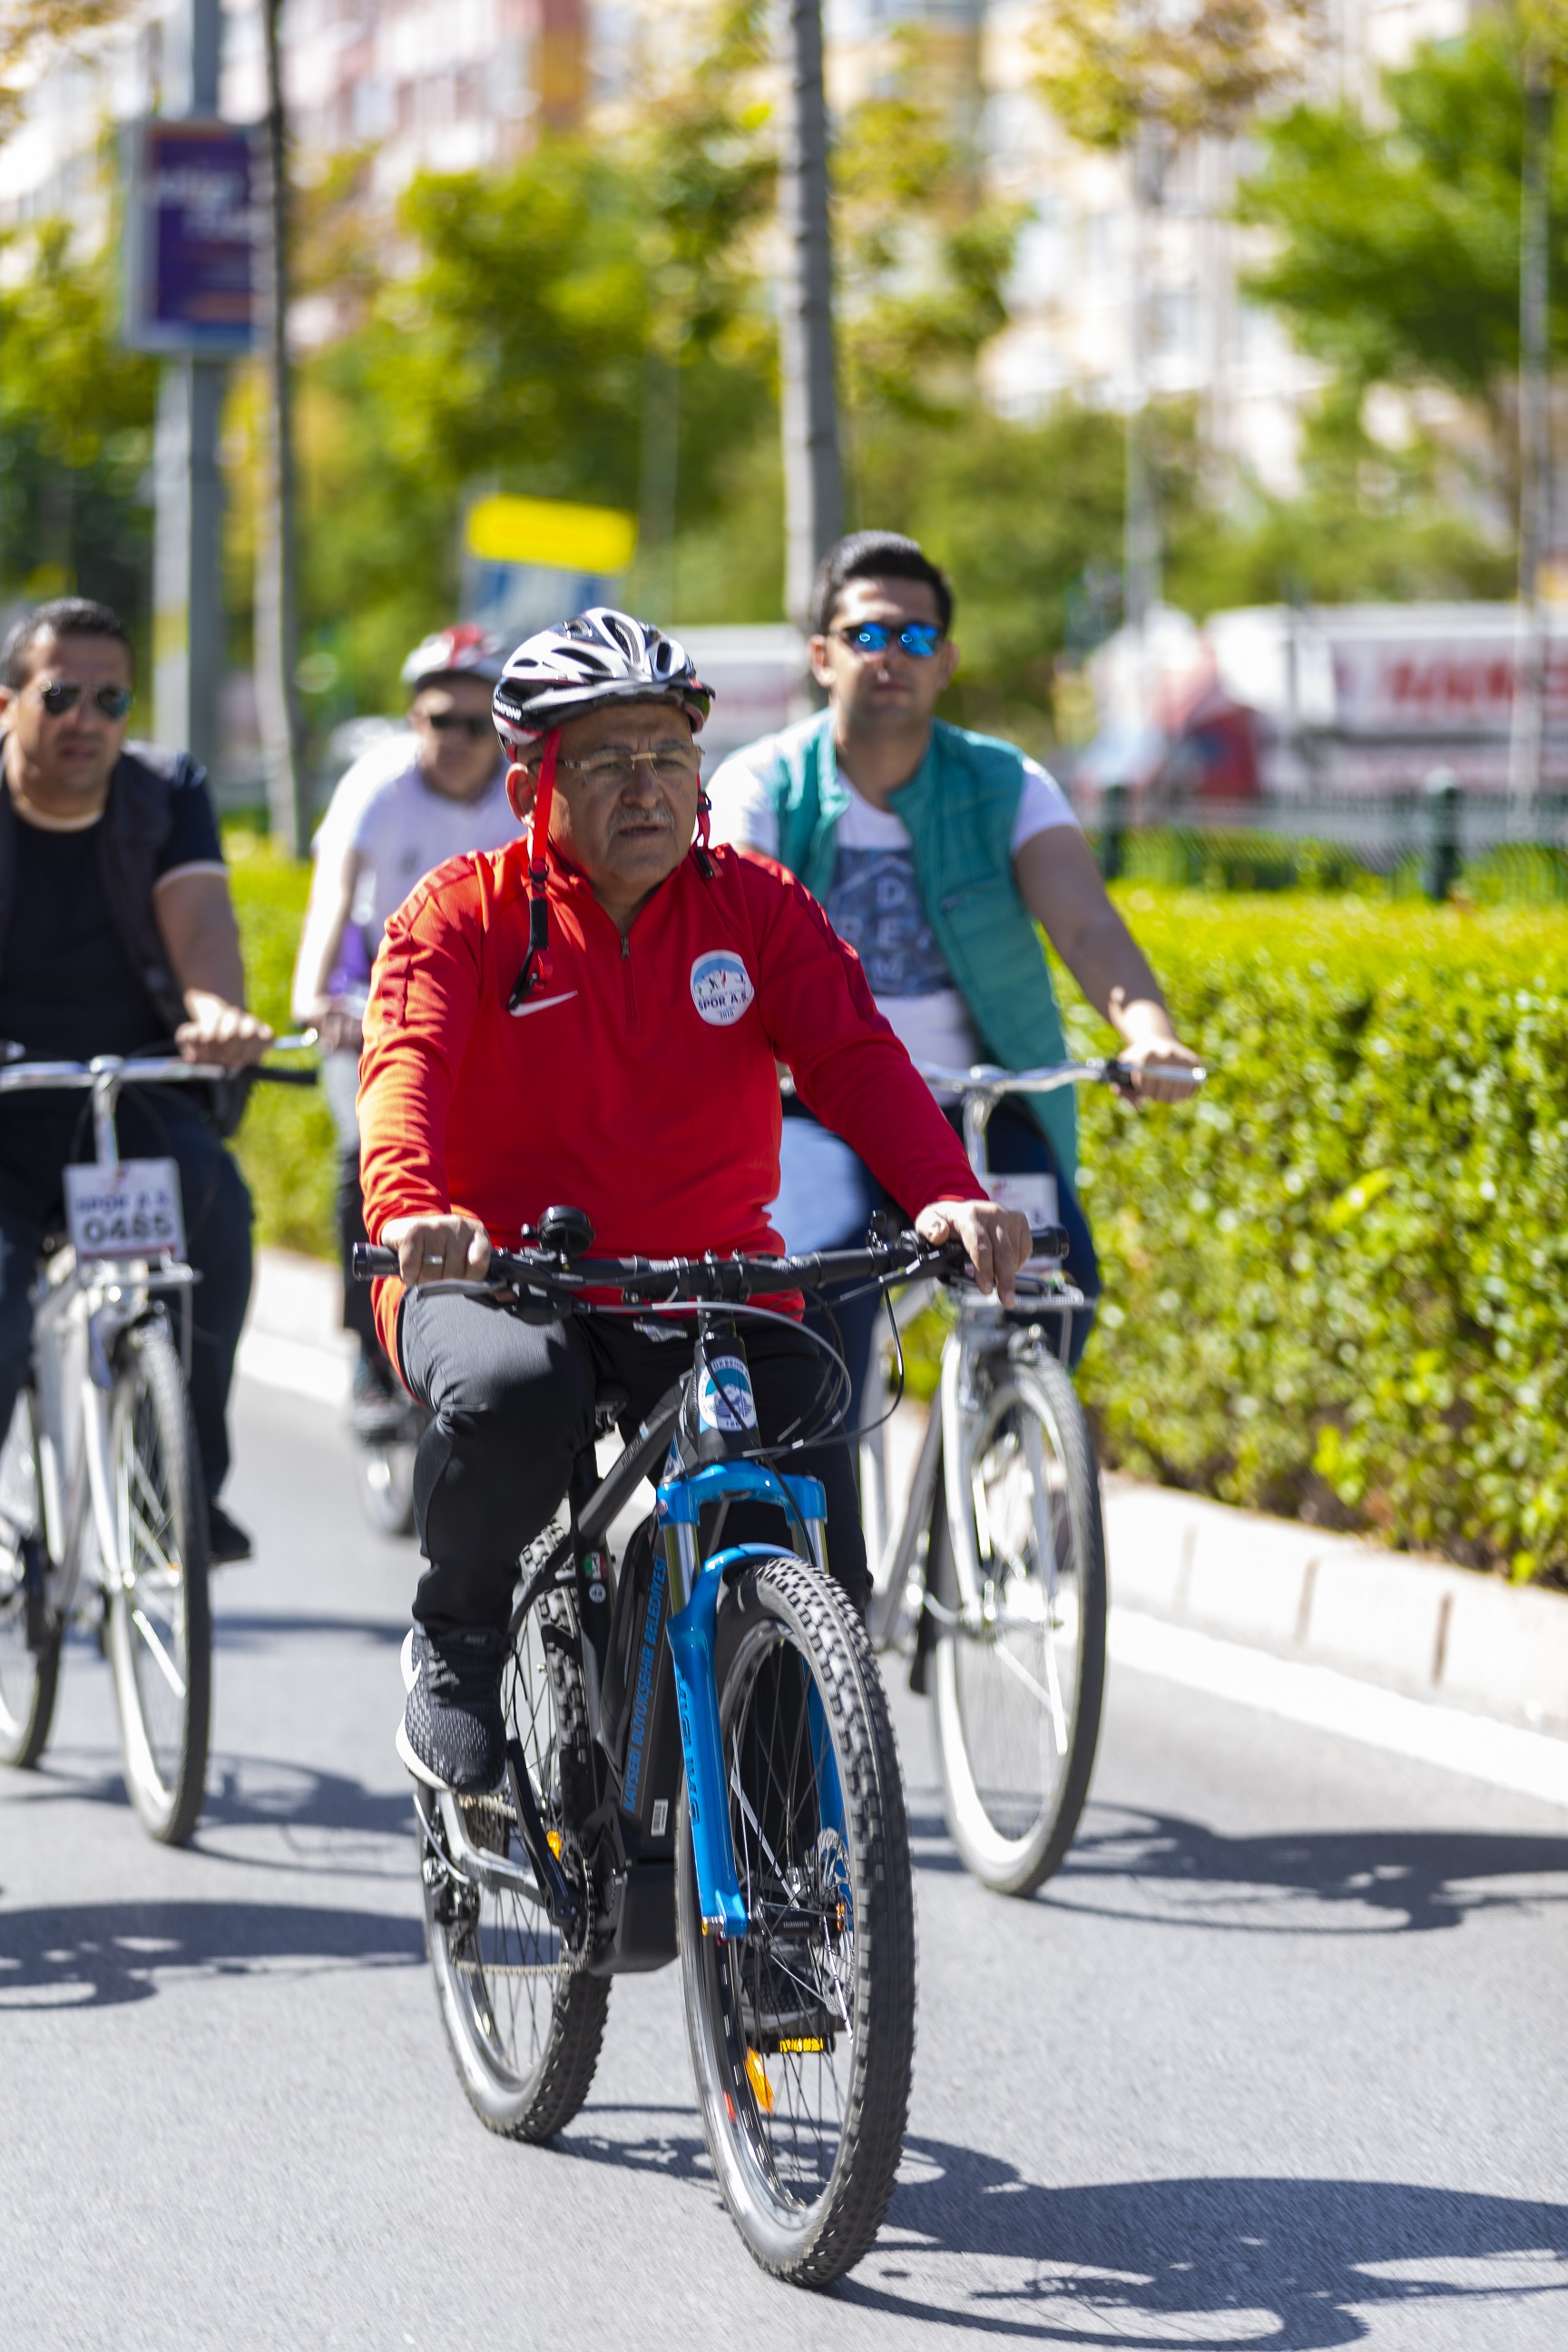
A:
x: 639, y: 1083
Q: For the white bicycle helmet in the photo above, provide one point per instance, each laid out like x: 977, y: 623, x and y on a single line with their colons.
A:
x: 465, y: 651
x: 602, y: 657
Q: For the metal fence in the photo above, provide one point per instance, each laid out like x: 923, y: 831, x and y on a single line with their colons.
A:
x: 1435, y: 840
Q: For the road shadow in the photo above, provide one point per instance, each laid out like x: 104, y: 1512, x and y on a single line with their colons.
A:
x: 102, y: 1954
x: 1162, y: 1868
x: 1274, y: 2265
x: 254, y: 1629
x: 245, y: 1792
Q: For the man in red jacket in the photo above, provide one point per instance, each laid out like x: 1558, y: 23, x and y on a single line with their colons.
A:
x: 627, y: 1066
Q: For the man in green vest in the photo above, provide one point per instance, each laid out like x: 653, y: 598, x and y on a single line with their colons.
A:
x: 935, y: 852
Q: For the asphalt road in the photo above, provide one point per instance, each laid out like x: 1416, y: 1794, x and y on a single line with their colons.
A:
x: 1276, y: 2061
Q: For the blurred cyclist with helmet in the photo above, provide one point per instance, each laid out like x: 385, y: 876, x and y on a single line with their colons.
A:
x: 405, y: 806
x: 594, y: 1017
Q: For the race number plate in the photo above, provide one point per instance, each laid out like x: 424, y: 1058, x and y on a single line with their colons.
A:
x: 1035, y: 1195
x: 131, y: 1211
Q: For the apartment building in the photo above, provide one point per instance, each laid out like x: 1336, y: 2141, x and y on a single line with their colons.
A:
x: 466, y: 84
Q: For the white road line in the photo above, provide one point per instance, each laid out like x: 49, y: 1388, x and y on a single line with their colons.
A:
x: 1526, y: 1762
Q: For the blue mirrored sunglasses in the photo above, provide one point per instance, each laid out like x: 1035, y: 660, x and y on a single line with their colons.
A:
x: 919, y: 639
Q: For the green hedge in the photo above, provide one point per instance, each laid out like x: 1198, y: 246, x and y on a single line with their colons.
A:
x: 1335, y: 1283
x: 285, y: 1145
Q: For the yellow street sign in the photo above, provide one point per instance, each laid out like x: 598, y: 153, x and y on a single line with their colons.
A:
x: 550, y: 532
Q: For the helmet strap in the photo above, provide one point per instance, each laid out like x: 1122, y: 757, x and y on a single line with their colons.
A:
x: 704, y: 821
x: 536, y: 964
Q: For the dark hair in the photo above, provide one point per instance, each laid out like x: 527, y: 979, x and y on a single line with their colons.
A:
x: 62, y: 616
x: 875, y: 555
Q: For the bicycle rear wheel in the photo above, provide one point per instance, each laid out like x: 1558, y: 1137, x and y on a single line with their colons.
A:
x: 386, y: 1486
x: 524, y: 2022
x: 29, y: 1638
x: 160, y: 1613
x: 802, y: 2035
x: 1017, y: 1697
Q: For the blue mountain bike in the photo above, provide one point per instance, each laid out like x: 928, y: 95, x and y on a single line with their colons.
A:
x: 700, y: 1765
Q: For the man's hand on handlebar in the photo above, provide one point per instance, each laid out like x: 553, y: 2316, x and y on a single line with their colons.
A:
x: 438, y: 1249
x: 995, y: 1241
x: 220, y: 1032
x: 1170, y: 1058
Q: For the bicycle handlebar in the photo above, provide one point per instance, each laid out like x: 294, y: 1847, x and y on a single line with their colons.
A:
x: 18, y: 1075
x: 988, y: 1079
x: 712, y: 1280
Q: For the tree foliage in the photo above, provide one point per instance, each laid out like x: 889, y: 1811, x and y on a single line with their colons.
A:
x: 75, y: 426
x: 1108, y: 66
x: 1398, y: 247
x: 33, y: 33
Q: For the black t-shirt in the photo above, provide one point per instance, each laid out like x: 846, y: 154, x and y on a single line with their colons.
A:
x: 68, y: 989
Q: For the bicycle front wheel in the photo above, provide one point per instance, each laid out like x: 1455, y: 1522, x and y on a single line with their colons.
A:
x: 802, y: 2033
x: 386, y: 1486
x: 160, y: 1614
x: 1017, y: 1695
x: 30, y: 1636
x: 524, y: 2021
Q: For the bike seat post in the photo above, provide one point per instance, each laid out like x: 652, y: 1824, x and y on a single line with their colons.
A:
x: 105, y: 1097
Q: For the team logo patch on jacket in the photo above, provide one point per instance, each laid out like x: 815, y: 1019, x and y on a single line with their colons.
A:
x: 720, y: 987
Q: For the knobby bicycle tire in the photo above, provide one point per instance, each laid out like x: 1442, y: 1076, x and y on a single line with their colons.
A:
x: 160, y: 1613
x: 524, y: 2022
x: 1012, y: 1799
x: 803, y: 2038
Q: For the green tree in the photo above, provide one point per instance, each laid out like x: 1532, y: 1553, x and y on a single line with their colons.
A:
x: 76, y: 428
x: 1398, y: 247
x: 519, y: 355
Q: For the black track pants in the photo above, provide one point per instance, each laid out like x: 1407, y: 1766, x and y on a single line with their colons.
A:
x: 514, y: 1406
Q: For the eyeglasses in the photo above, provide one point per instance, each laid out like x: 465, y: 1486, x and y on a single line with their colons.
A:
x: 62, y: 695
x: 668, y: 765
x: 454, y: 722
x: 919, y: 639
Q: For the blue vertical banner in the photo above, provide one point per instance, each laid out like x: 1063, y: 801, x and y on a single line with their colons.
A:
x: 191, y: 227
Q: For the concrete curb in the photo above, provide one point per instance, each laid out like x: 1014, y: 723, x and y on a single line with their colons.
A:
x: 1414, y: 1625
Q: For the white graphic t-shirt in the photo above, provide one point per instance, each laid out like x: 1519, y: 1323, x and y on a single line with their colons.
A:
x: 402, y: 828
x: 873, y: 900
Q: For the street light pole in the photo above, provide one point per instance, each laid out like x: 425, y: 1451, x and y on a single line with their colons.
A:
x: 277, y: 613
x: 814, y: 490
x: 187, y: 570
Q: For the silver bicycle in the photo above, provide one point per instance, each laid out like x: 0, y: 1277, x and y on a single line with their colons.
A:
x: 992, y: 1578
x: 104, y: 1511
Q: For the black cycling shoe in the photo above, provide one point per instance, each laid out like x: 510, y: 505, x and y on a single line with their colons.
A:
x: 453, y: 1732
x: 226, y: 1539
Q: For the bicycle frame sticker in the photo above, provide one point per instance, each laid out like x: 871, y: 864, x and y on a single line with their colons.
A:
x: 131, y: 1211
x: 725, y: 1399
x: 642, y: 1693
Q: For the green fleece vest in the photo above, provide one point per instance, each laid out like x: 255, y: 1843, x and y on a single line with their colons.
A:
x: 959, y: 807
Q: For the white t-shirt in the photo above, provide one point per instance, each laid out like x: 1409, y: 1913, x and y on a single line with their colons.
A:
x: 402, y: 829
x: 873, y: 903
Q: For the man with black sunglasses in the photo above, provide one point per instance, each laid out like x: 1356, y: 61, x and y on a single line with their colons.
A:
x: 403, y: 809
x: 116, y: 933
x: 935, y: 852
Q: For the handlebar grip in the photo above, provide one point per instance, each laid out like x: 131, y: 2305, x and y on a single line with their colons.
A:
x: 373, y: 1264
x: 286, y: 1078
x: 1050, y: 1240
